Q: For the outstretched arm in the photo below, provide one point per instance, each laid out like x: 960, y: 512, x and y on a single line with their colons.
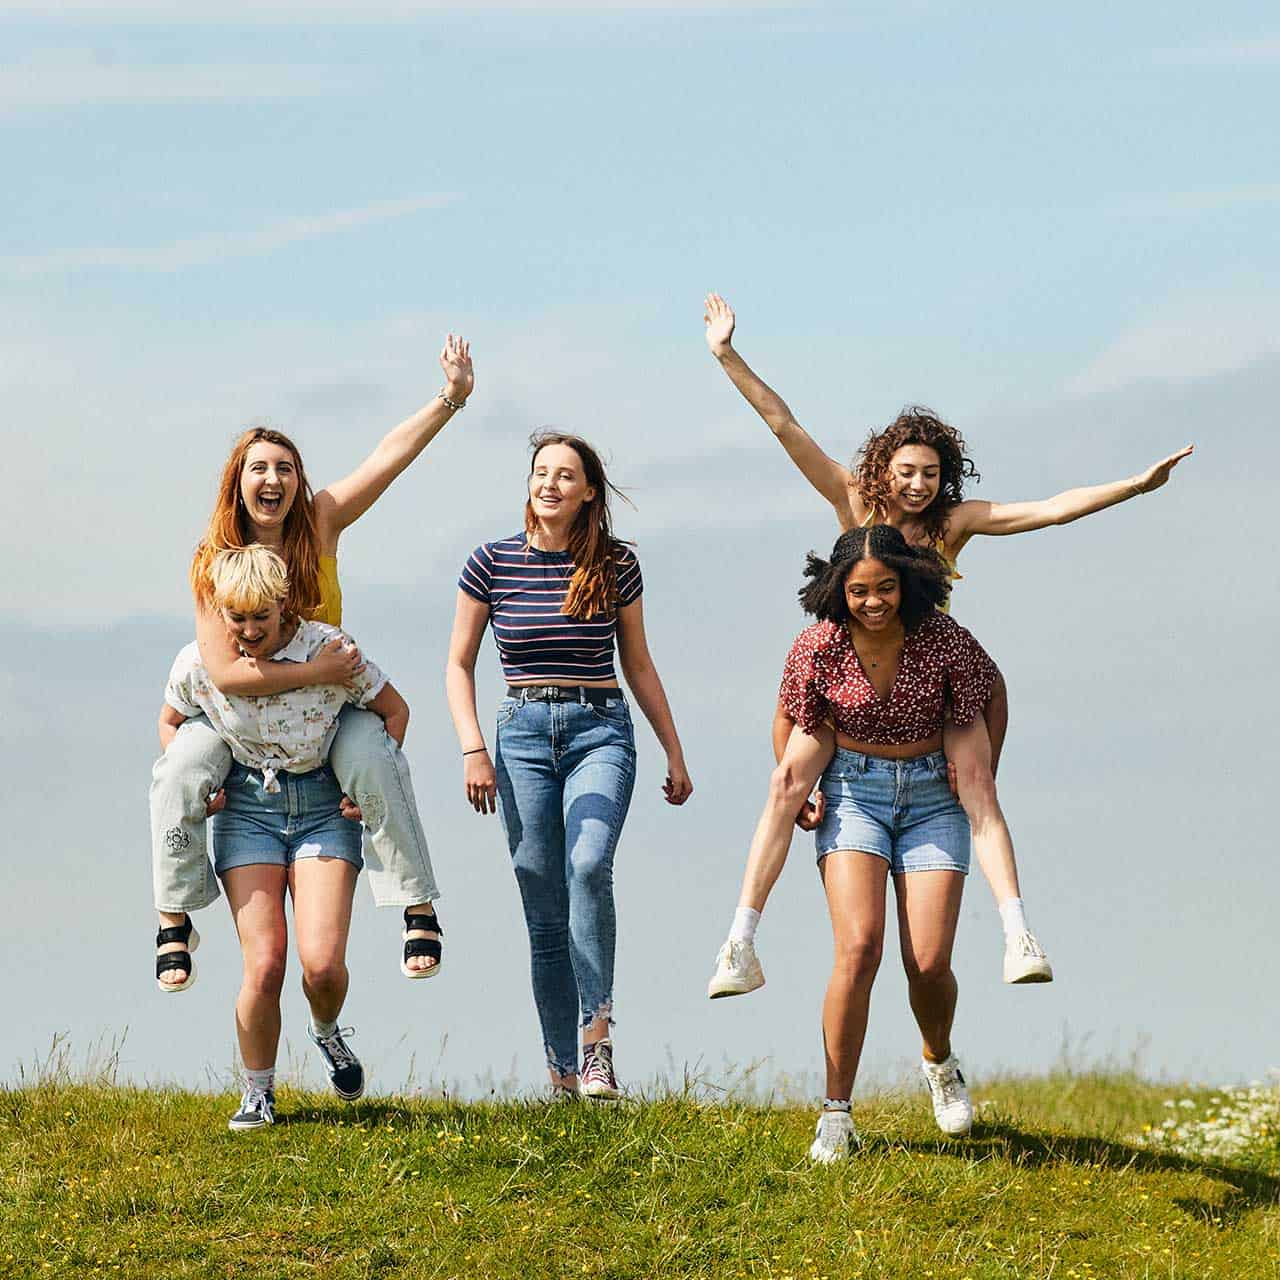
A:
x: 343, y: 503
x: 829, y: 477
x: 1002, y: 518
x: 645, y: 683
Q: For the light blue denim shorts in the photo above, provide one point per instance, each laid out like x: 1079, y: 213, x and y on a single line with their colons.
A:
x: 301, y: 820
x: 900, y: 810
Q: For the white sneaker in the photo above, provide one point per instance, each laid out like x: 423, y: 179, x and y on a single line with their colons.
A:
x: 1025, y: 960
x: 951, y: 1106
x: 737, y: 970
x: 834, y: 1139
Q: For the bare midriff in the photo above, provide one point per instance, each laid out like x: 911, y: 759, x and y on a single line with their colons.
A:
x: 891, y: 750
x: 568, y: 684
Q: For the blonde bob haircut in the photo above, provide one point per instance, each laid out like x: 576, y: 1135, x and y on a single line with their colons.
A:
x: 248, y: 579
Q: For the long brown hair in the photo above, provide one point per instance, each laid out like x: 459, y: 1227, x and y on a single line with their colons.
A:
x: 593, y: 589
x: 229, y: 528
x: 915, y: 425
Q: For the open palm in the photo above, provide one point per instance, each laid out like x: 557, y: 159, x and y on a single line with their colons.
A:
x: 720, y: 321
x: 455, y: 360
x: 1153, y: 477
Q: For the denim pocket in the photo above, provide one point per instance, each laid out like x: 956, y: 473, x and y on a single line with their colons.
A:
x: 507, y: 709
x: 615, y: 711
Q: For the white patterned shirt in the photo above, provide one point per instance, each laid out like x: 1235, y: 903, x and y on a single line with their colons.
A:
x: 292, y: 730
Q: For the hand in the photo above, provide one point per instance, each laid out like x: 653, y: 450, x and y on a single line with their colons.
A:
x: 350, y: 810
x: 720, y: 321
x: 217, y: 801
x: 337, y: 663
x: 481, y: 782
x: 811, y: 812
x: 455, y: 360
x: 677, y: 788
x: 1153, y: 477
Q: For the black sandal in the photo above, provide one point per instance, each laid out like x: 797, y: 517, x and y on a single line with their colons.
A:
x: 414, y: 947
x: 187, y: 935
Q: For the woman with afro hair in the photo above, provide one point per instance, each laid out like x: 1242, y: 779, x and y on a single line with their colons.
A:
x: 911, y: 476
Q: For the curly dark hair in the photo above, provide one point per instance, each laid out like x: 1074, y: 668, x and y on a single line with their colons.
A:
x: 922, y: 573
x: 915, y: 425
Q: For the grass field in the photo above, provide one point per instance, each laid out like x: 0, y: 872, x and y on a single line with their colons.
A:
x: 1071, y: 1176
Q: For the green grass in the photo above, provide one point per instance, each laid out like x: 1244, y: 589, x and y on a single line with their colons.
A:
x: 100, y: 1180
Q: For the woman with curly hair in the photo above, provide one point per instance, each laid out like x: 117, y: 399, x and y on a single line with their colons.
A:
x: 558, y: 593
x: 911, y: 476
x: 870, y: 685
x: 264, y: 497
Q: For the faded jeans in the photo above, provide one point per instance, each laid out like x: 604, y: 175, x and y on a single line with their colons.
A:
x: 565, y: 775
x: 370, y: 768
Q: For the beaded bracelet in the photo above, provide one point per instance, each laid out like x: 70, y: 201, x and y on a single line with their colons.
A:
x: 453, y: 404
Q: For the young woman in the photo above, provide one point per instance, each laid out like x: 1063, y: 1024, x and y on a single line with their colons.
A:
x: 557, y: 594
x: 880, y: 672
x: 911, y: 476
x: 281, y: 827
x: 264, y: 497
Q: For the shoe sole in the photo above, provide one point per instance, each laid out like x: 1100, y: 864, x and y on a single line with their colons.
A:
x: 600, y: 1094
x: 1031, y: 974
x: 422, y: 973
x: 173, y: 988
x: 242, y: 1127
x: 717, y: 991
x: 348, y: 1097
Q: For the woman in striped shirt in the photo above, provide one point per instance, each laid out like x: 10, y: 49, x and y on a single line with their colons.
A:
x: 561, y: 776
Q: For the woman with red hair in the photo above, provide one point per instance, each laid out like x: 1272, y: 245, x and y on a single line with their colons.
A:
x: 264, y: 497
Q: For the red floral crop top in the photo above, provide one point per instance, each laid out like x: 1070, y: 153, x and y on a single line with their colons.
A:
x: 943, y: 668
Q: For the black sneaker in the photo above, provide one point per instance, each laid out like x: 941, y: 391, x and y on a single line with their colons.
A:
x: 345, y: 1072
x: 257, y: 1110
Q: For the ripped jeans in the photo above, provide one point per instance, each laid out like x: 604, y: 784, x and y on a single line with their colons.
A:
x: 565, y: 775
x: 370, y: 768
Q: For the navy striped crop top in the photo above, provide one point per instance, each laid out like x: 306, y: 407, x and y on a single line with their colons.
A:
x: 525, y: 590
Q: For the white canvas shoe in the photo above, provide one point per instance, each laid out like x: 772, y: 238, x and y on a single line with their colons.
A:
x: 834, y: 1139
x: 951, y: 1106
x: 1025, y: 960
x: 737, y: 970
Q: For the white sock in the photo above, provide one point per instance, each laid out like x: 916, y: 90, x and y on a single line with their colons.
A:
x: 836, y: 1104
x: 264, y: 1080
x: 1013, y: 917
x: 322, y: 1029
x: 743, y: 929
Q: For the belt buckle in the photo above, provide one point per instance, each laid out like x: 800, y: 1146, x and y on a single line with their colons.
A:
x: 548, y: 693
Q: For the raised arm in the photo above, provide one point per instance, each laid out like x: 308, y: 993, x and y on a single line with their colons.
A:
x: 1002, y: 518
x: 646, y: 685
x: 829, y: 477
x: 469, y: 621
x: 237, y: 676
x: 343, y: 503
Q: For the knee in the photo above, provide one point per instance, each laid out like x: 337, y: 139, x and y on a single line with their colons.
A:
x: 927, y: 970
x: 786, y: 790
x: 592, y: 870
x: 324, y: 973
x: 858, y: 959
x: 264, y: 971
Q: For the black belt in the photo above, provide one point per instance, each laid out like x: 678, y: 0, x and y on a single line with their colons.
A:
x: 559, y: 693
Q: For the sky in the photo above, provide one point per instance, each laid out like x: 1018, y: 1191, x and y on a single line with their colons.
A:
x: 1058, y: 228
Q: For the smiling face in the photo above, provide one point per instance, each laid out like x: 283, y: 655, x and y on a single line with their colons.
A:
x: 915, y: 475
x: 558, y: 486
x: 873, y: 593
x: 258, y: 633
x: 268, y: 485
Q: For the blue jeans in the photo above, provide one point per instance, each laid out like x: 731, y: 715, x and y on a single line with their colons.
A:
x: 565, y: 775
x: 301, y: 820
x: 370, y: 768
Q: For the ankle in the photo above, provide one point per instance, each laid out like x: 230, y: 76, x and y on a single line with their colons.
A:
x: 745, y: 922
x: 1013, y: 917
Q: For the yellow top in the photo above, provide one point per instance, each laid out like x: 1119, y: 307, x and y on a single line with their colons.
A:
x: 330, y: 607
x: 940, y: 547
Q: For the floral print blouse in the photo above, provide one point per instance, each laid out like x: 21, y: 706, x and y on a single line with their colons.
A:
x: 292, y: 730
x: 943, y: 669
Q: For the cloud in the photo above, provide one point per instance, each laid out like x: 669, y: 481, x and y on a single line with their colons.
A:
x: 1222, y: 53
x: 341, y: 11
x: 1207, y: 201
x: 79, y: 77
x: 1191, y: 337
x: 220, y: 245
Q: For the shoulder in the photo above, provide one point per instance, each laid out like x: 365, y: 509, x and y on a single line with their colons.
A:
x: 819, y: 638
x: 624, y: 556
x: 186, y: 661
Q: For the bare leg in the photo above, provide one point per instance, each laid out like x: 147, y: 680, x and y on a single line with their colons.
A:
x: 855, y: 885
x: 969, y: 750
x: 256, y: 896
x: 996, y: 714
x: 798, y: 771
x: 322, y: 889
x: 928, y: 911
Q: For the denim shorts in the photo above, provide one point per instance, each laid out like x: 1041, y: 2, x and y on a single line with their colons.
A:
x: 900, y: 810
x: 301, y: 820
